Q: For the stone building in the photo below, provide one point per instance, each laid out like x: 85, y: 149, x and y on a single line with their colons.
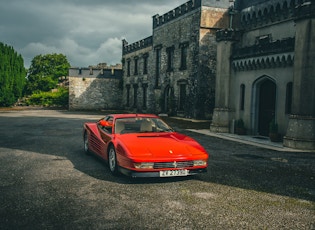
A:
x: 173, y: 71
x: 265, y: 70
x: 235, y: 60
x: 95, y: 88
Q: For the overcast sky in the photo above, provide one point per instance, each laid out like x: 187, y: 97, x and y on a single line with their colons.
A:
x: 88, y: 32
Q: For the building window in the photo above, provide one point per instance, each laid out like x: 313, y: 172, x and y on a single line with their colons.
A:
x: 136, y: 66
x: 145, y: 63
x: 144, y: 89
x: 157, y: 65
x: 128, y: 67
x: 183, y: 55
x: 182, y: 96
x: 288, y: 99
x: 135, y: 95
x: 128, y: 95
x: 242, y: 97
x: 170, y: 58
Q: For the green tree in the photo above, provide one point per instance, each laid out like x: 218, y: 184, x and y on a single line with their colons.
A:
x: 12, y: 75
x: 44, y: 72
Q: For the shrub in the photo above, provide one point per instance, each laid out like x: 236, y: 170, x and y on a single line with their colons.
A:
x: 58, y: 98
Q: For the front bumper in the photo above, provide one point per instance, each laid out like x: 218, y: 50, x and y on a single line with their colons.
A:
x: 135, y: 174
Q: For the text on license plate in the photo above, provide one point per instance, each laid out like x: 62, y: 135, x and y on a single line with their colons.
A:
x: 170, y: 173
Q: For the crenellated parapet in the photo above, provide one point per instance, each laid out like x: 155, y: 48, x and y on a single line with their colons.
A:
x: 146, y: 42
x: 265, y: 62
x: 114, y: 72
x: 159, y: 20
x: 265, y: 54
x: 262, y: 14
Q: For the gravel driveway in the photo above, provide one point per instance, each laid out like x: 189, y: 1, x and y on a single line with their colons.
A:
x: 47, y: 182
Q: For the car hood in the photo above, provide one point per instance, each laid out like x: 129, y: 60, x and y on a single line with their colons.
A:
x: 160, y: 145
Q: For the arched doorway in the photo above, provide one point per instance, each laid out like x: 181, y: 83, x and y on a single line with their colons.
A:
x: 266, y: 95
x: 168, y: 99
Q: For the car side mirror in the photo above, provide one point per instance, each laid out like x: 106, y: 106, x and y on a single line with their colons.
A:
x: 105, y: 124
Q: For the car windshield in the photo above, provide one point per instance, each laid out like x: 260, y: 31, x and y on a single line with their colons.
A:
x: 140, y: 125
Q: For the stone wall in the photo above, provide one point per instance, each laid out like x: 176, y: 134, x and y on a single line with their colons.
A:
x: 95, y: 89
x: 171, y: 35
x: 269, y: 75
x: 183, y: 91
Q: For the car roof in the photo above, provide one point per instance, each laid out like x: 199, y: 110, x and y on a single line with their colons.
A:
x: 129, y: 115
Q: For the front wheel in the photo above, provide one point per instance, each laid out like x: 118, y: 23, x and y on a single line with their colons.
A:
x: 112, y: 161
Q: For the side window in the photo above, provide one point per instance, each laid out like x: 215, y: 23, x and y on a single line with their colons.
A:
x: 128, y: 95
x: 136, y: 66
x: 145, y: 64
x: 183, y: 55
x: 128, y: 67
x: 135, y: 95
x: 157, y: 65
x: 170, y: 58
x: 144, y: 96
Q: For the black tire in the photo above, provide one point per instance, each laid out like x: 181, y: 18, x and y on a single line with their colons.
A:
x: 112, y: 161
x: 86, y: 143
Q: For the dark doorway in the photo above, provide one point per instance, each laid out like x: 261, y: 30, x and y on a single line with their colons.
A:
x: 267, y: 105
x: 168, y: 100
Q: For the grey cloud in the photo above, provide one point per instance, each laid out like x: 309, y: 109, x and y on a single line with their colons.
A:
x: 87, y: 32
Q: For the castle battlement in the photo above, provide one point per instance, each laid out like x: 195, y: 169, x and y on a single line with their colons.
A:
x: 181, y: 10
x: 188, y: 7
x: 96, y: 72
x: 146, y: 42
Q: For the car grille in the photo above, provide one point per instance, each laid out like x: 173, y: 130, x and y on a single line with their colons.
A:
x: 173, y: 164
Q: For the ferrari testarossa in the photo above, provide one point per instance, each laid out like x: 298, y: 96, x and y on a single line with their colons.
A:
x: 143, y: 145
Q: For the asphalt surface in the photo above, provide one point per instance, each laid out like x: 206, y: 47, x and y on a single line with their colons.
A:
x: 47, y: 182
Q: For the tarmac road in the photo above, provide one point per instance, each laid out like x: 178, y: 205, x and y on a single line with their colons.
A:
x: 47, y: 182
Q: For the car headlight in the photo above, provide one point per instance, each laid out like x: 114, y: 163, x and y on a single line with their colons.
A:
x: 144, y: 165
x: 200, y: 163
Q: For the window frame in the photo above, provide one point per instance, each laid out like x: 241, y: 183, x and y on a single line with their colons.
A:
x: 170, y: 58
x: 183, y: 55
x: 158, y: 53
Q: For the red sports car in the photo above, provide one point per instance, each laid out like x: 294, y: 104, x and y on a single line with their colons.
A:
x: 143, y: 145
